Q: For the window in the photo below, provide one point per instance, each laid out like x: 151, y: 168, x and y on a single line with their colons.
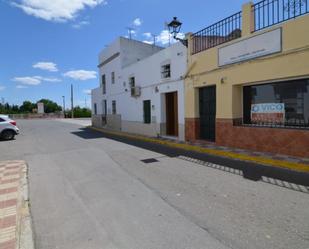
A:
x: 132, y: 81
x: 114, y: 110
x: 104, y: 107
x: 147, y: 111
x: 166, y: 71
x: 95, y: 109
x: 282, y: 103
x: 113, y: 77
x: 104, y: 83
x: 2, y: 120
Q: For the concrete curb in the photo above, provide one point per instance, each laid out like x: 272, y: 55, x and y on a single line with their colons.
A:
x: 25, y: 233
x: 238, y: 156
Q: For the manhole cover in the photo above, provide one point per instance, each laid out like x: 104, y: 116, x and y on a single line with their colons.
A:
x: 150, y: 160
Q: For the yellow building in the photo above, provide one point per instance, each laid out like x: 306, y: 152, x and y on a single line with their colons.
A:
x: 247, y: 84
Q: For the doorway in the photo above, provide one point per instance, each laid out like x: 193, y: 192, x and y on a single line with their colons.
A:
x: 171, y: 102
x: 207, y: 104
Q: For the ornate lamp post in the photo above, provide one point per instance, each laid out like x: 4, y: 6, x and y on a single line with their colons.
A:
x: 174, y: 28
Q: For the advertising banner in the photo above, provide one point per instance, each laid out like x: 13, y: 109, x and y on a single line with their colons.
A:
x: 268, y: 112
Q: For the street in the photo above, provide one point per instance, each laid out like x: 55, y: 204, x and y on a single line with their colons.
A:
x: 90, y: 192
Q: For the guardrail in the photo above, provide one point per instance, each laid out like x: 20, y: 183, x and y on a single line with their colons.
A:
x: 223, y: 31
x: 271, y: 12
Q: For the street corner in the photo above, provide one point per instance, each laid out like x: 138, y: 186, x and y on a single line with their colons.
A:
x: 15, y: 219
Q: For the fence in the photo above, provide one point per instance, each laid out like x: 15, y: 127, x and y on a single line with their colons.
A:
x: 289, y: 123
x: 223, y: 31
x: 271, y: 12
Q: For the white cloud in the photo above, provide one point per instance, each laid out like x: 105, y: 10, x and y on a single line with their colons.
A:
x: 81, y: 74
x: 2, y: 88
x: 148, y: 42
x: 137, y: 22
x: 21, y: 87
x: 87, y: 91
x: 48, y: 79
x: 34, y: 80
x: 49, y: 66
x: 55, y: 10
x: 163, y: 38
x: 147, y: 35
x: 80, y: 24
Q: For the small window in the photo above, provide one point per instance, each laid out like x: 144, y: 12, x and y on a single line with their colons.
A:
x: 95, y: 109
x: 147, y: 111
x: 114, y: 110
x: 166, y: 71
x: 132, y: 81
x: 104, y: 83
x: 113, y: 77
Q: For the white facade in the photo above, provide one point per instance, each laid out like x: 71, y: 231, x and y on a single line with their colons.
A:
x: 127, y: 59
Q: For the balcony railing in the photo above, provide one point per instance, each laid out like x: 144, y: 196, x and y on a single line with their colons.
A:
x: 223, y: 31
x: 271, y: 12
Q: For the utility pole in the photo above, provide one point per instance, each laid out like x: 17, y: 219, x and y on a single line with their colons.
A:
x: 63, y: 98
x: 72, y: 106
x: 130, y: 31
x: 154, y: 39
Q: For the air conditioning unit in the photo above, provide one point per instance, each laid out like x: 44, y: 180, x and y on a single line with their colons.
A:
x: 136, y: 91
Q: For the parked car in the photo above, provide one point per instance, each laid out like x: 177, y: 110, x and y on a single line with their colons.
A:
x: 8, y: 128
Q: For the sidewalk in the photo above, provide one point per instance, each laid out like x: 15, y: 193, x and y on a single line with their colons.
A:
x: 15, y: 228
x: 264, y: 158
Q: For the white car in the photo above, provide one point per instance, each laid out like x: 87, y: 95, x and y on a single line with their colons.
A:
x: 8, y: 128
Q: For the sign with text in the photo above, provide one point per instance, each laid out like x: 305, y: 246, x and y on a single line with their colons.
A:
x: 257, y: 46
x: 268, y: 112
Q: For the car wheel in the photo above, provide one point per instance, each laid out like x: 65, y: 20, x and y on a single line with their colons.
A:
x: 8, y: 135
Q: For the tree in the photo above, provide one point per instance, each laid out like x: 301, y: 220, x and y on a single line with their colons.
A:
x: 80, y: 112
x: 50, y: 106
x: 27, y: 107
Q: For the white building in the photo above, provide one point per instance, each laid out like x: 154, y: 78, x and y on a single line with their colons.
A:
x: 142, y: 89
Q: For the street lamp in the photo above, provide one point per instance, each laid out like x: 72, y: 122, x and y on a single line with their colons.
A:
x: 174, y: 28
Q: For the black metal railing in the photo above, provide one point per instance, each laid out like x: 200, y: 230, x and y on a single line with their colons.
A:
x: 223, y: 31
x: 271, y: 12
x: 288, y: 123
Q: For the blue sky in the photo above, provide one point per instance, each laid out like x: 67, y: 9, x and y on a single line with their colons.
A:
x: 47, y: 45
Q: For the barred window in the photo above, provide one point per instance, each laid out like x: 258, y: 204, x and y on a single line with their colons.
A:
x: 104, y: 84
x: 166, y: 71
x: 281, y: 103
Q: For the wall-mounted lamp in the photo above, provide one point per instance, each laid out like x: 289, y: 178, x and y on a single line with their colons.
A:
x: 223, y: 80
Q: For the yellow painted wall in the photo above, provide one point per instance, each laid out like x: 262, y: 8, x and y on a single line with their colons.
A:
x: 292, y: 62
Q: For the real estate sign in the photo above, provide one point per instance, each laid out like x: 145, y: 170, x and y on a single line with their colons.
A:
x: 256, y: 46
x: 268, y: 112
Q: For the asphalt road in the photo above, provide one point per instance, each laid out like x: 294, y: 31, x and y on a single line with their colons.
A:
x: 90, y: 192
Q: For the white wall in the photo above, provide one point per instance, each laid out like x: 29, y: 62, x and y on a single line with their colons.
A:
x: 147, y: 73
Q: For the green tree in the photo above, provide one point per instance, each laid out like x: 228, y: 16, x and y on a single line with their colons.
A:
x: 27, y: 107
x: 50, y: 106
x: 80, y: 112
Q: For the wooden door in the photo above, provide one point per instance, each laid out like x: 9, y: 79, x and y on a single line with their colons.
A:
x: 171, y: 100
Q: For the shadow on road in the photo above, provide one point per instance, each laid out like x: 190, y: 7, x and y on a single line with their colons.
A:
x: 87, y: 134
x: 297, y: 181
